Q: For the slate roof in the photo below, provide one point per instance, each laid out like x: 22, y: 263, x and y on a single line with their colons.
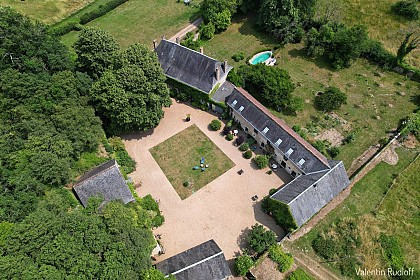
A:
x: 203, y: 262
x: 223, y: 92
x: 260, y: 117
x: 188, y: 66
x: 307, y: 194
x: 106, y: 181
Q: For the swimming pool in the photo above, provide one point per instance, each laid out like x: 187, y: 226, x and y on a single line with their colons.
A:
x: 260, y: 57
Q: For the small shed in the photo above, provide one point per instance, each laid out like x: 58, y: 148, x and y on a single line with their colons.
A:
x: 106, y: 181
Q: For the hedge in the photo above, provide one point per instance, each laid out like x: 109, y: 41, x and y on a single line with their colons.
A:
x: 150, y: 204
x: 284, y: 260
x: 281, y: 213
x: 100, y: 11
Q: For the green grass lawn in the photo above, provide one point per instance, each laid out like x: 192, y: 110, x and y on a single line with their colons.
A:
x: 373, y: 106
x: 397, y: 216
x: 376, y: 15
x: 179, y: 154
x: 47, y: 11
x: 142, y: 21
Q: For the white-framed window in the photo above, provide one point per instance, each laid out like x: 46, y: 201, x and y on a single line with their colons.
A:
x: 266, y: 129
x: 289, y: 152
x: 234, y: 102
x: 241, y: 109
x: 301, y: 162
x: 278, y: 142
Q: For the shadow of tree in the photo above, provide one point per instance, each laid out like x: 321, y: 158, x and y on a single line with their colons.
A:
x: 319, y: 61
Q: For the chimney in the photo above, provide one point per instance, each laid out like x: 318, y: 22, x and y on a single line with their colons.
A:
x: 225, y: 66
x: 201, y: 50
x: 177, y: 40
x: 163, y: 37
x: 217, y: 73
x: 154, y: 44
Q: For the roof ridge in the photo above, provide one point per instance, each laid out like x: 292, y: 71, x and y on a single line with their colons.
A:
x: 192, y: 50
x: 94, y: 176
x: 316, y: 182
x: 285, y: 127
x: 196, y: 263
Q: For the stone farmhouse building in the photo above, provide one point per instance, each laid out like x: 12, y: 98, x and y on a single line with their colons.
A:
x: 317, y: 180
x: 205, y: 262
x: 105, y: 181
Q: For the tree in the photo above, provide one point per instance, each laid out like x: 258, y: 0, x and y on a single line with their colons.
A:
x: 284, y: 18
x: 130, y: 95
x: 243, y: 264
x: 215, y: 124
x: 341, y: 45
x: 407, y: 9
x: 261, y: 161
x: 95, y: 49
x: 330, y: 100
x: 207, y: 31
x: 218, y: 12
x: 260, y: 239
x: 100, y: 246
x: 407, y: 45
x: 272, y: 86
x: 28, y: 46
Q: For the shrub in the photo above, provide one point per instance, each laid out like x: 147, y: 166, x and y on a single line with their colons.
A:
x: 126, y: 163
x: 206, y: 31
x: 100, y: 11
x: 261, y: 161
x: 238, y: 56
x: 64, y: 28
x: 149, y: 203
x: 299, y: 274
x: 406, y: 8
x: 334, y: 152
x: 186, y: 183
x: 244, y: 147
x: 190, y: 43
x: 215, y: 125
x: 280, y: 212
x: 330, y: 100
x: 284, y: 260
x: 349, y: 138
x: 392, y: 251
x: 259, y: 239
x: 320, y: 146
x: 229, y: 137
x: 248, y: 154
x: 375, y: 52
x: 243, y: 264
x: 272, y: 191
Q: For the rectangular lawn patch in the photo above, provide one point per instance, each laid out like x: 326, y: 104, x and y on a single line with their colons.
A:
x: 179, y: 154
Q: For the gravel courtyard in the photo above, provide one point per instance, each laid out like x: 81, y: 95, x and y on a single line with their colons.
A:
x: 222, y: 210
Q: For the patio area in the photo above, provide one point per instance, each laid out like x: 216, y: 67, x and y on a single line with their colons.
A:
x: 223, y: 209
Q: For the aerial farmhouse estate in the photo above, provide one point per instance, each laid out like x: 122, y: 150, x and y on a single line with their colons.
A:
x: 317, y: 180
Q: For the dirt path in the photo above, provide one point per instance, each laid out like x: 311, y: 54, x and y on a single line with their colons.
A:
x: 191, y: 27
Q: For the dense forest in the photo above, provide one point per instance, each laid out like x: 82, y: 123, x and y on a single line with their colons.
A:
x: 54, y: 111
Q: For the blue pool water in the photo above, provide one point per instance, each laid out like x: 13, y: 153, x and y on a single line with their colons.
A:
x: 261, y: 57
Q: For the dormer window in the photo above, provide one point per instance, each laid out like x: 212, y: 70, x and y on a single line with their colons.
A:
x: 241, y: 108
x: 266, y: 129
x: 301, y: 162
x: 278, y: 142
x: 289, y: 152
x: 234, y: 102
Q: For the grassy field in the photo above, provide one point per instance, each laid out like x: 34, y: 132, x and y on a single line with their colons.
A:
x: 142, y: 21
x: 397, y: 216
x: 377, y: 100
x: 179, y: 154
x: 47, y: 11
x: 377, y: 17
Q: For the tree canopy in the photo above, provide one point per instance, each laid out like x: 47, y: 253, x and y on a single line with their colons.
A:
x: 95, y: 49
x: 341, y: 45
x: 330, y: 100
x: 28, y: 46
x: 130, y: 95
x: 218, y: 12
x: 272, y: 86
x: 55, y: 244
